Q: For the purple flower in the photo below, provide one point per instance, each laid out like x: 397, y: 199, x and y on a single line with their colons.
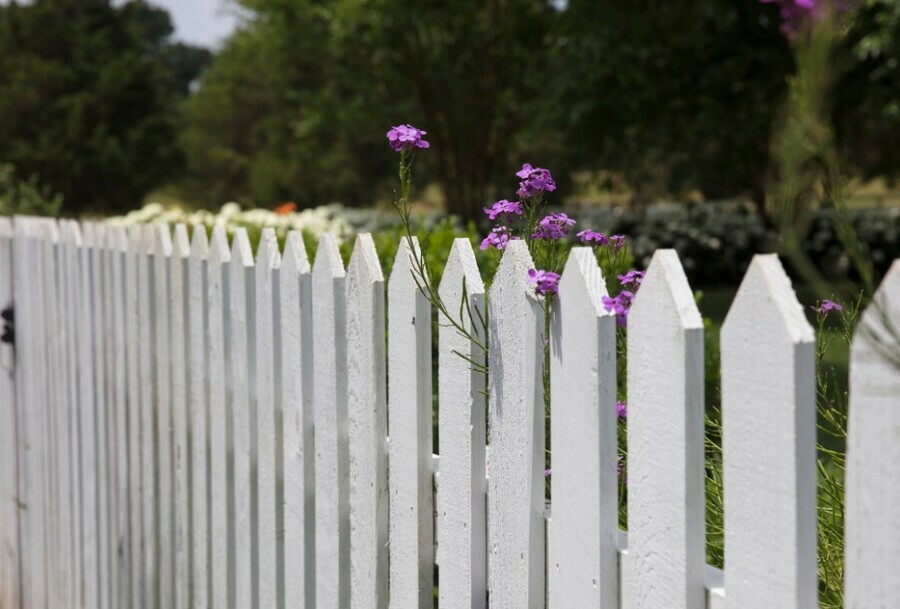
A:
x: 502, y: 207
x: 547, y: 473
x: 632, y: 278
x: 534, y: 181
x: 620, y: 305
x: 554, y: 226
x: 587, y: 236
x: 827, y: 306
x: 621, y: 409
x: 406, y: 137
x: 498, y: 238
x: 545, y: 282
x: 794, y: 13
x: 617, y: 242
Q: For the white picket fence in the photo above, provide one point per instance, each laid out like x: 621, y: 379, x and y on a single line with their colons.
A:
x: 185, y: 426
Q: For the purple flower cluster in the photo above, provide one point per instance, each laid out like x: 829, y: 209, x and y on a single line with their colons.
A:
x: 554, y: 226
x: 827, y: 307
x: 406, y: 137
x: 621, y: 409
x: 589, y: 236
x: 497, y: 238
x: 535, y: 181
x: 545, y: 282
x: 633, y: 278
x: 620, y: 305
x: 503, y: 208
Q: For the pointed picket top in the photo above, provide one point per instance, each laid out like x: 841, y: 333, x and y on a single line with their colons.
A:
x: 295, y: 259
x: 873, y: 479
x: 162, y: 241
x: 241, y: 252
x: 6, y: 227
x: 148, y: 238
x: 328, y: 261
x: 199, y: 242
x: 118, y: 237
x: 666, y: 286
x: 516, y: 422
x: 461, y: 266
x: 404, y: 274
x: 766, y: 296
x: 364, y: 266
x: 267, y: 254
x: 181, y: 244
x: 769, y: 399
x: 666, y: 541
x: 135, y: 237
x: 218, y: 247
x: 50, y: 229
x: 582, y: 279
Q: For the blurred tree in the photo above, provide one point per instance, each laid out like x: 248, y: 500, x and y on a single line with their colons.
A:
x: 314, y: 85
x: 87, y: 98
x: 677, y: 95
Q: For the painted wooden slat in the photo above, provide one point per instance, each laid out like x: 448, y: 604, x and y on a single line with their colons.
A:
x: 241, y: 377
x: 198, y: 375
x: 165, y: 498
x: 220, y: 498
x: 410, y: 448
x: 48, y: 237
x: 873, y: 453
x: 268, y: 262
x: 73, y: 244
x: 582, y: 536
x: 108, y: 363
x: 118, y: 245
x: 134, y: 258
x: 768, y: 399
x: 666, y: 507
x: 367, y: 414
x: 148, y: 337
x: 9, y: 510
x: 330, y: 403
x: 178, y: 299
x: 296, y: 404
x: 516, y: 423
x: 461, y: 532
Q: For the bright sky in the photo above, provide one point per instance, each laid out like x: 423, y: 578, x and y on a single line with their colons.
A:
x: 203, y: 22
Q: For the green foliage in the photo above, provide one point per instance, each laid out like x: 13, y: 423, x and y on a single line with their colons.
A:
x: 87, y: 99
x: 26, y: 197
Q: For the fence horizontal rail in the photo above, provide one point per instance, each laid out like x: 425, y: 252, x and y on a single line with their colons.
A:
x: 184, y: 424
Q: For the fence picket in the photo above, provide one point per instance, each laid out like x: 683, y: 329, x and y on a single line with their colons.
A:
x: 666, y: 517
x: 133, y: 353
x: 198, y: 419
x: 163, y: 410
x: 768, y: 399
x: 47, y: 311
x: 268, y: 262
x: 242, y: 377
x: 296, y: 404
x: 117, y: 246
x: 9, y: 492
x: 330, y: 403
x: 873, y: 479
x: 461, y: 494
x: 410, y: 449
x: 178, y: 302
x: 516, y: 419
x: 147, y: 333
x: 222, y: 545
x: 583, y: 533
x: 367, y: 413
